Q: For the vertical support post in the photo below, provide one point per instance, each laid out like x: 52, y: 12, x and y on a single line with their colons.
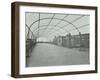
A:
x: 69, y: 40
x: 28, y: 32
x: 80, y: 40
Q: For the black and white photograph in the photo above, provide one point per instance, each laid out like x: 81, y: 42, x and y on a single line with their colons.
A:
x: 54, y: 39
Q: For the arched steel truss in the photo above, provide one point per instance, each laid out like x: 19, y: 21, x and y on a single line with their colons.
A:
x: 53, y: 26
x: 72, y: 29
x: 57, y: 32
x: 53, y: 29
x: 56, y: 19
x: 70, y: 22
x: 42, y: 27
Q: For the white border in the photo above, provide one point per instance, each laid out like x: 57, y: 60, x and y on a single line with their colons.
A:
x: 53, y: 69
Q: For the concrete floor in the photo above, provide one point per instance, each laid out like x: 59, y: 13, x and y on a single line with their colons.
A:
x: 45, y: 54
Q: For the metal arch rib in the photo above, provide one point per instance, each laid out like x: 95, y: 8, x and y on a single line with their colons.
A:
x: 79, y: 27
x: 29, y: 30
x: 52, y: 28
x: 57, y: 19
x: 71, y: 21
x: 42, y: 28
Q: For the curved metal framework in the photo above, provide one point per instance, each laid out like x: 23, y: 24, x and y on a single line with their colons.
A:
x: 57, y: 19
x: 44, y: 27
x: 52, y: 29
x: 72, y: 29
x: 29, y: 31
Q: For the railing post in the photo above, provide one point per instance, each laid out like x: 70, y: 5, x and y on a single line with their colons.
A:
x: 69, y: 35
x: 80, y: 40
